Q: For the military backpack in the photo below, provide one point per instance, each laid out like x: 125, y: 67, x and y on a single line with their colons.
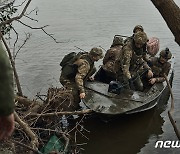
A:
x: 69, y: 69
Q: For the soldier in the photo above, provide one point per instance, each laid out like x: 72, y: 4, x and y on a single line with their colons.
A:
x: 85, y: 68
x: 132, y: 62
x: 152, y: 45
x: 160, y: 66
x: 138, y: 28
x: 108, y: 71
x: 6, y: 96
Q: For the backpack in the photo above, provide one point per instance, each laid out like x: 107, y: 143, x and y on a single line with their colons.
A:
x: 69, y: 69
x: 153, y: 46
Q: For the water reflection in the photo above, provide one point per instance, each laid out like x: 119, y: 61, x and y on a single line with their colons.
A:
x: 125, y: 135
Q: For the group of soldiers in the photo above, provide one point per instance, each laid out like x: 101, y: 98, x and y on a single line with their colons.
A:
x: 127, y: 61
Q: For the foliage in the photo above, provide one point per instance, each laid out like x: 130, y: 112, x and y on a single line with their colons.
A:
x: 6, y: 13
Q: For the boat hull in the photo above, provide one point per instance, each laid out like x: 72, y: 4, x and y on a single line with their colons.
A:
x: 128, y: 101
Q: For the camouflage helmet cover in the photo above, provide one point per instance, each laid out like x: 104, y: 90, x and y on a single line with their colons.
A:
x: 138, y: 27
x: 166, y: 54
x: 118, y: 40
x: 140, y: 37
x: 97, y: 52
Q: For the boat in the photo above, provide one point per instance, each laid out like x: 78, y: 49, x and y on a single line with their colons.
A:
x: 128, y: 101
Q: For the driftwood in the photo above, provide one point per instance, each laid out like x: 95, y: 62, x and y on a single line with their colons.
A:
x: 37, y: 121
x: 63, y: 113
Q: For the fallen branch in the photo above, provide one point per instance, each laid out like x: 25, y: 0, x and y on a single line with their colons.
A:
x: 63, y: 113
x: 27, y: 102
x: 172, y: 109
x: 28, y: 147
x: 32, y: 135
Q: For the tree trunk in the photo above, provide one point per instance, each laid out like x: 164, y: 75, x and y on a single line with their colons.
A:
x: 171, y: 14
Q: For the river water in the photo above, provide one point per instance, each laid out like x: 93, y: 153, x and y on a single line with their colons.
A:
x: 86, y: 24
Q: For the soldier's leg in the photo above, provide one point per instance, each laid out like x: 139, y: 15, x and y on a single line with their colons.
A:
x: 100, y: 75
x: 71, y: 86
x: 125, y: 82
x: 138, y: 83
x: 75, y: 92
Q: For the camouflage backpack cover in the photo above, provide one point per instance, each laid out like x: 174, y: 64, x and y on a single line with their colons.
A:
x: 69, y: 69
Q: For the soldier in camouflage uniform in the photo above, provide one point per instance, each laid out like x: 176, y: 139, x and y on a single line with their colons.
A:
x: 139, y: 28
x: 85, y: 68
x: 133, y: 63
x: 108, y: 71
x: 160, y: 66
x: 6, y: 96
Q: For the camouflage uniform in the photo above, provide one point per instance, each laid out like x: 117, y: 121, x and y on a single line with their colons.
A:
x: 136, y: 29
x: 108, y: 71
x: 158, y: 68
x: 6, y: 85
x: 132, y: 62
x: 85, y: 68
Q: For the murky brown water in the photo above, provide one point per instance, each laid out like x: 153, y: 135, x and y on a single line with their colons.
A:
x: 89, y: 23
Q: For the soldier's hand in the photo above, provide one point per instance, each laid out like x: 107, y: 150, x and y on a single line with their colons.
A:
x: 82, y: 95
x: 150, y: 74
x: 152, y: 81
x: 6, y: 126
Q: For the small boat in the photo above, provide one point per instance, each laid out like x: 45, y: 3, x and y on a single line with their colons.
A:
x: 128, y: 101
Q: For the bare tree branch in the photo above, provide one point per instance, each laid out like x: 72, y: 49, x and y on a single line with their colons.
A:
x: 28, y: 35
x: 13, y: 65
x: 172, y: 109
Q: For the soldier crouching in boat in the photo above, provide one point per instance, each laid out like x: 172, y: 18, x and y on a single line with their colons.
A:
x: 160, y: 66
x: 74, y: 81
x: 133, y: 63
x: 108, y: 71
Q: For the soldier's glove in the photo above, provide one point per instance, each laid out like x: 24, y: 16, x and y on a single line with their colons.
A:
x: 131, y: 84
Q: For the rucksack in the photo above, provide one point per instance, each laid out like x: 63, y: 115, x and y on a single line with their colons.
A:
x: 153, y: 46
x: 69, y: 69
x: 70, y: 58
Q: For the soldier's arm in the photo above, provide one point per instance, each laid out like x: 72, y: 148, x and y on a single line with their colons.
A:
x: 126, y: 62
x: 146, y: 66
x: 83, y: 69
x: 146, y: 58
x: 165, y: 71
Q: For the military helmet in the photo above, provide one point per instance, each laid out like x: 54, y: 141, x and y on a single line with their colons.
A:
x: 118, y: 40
x: 96, y: 52
x: 138, y: 27
x: 166, y: 54
x: 140, y: 37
